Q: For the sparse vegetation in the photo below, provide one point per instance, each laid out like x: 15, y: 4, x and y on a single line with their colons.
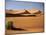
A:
x: 8, y: 25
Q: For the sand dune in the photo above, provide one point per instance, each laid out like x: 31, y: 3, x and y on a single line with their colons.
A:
x: 32, y: 11
x: 30, y: 24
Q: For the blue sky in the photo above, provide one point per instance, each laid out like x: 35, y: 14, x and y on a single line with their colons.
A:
x: 23, y: 5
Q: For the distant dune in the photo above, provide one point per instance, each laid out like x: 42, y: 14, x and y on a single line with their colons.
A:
x: 21, y: 11
x: 15, y: 13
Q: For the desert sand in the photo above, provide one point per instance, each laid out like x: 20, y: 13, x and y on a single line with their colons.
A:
x: 30, y: 24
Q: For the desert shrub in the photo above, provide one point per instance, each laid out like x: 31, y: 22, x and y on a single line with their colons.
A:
x: 7, y: 25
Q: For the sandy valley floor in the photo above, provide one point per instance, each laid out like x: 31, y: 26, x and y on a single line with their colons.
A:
x: 30, y: 24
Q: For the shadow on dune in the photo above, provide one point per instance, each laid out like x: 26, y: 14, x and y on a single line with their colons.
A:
x: 19, y: 15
